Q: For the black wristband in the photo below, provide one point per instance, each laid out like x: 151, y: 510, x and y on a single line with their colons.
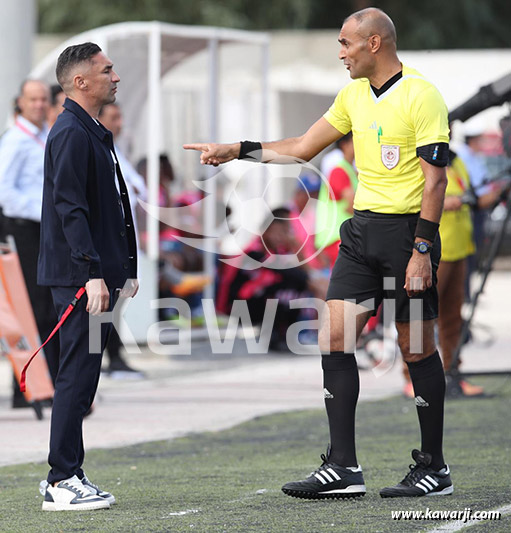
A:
x: 426, y: 229
x: 247, y: 148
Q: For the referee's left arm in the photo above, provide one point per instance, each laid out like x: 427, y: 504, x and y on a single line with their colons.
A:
x: 434, y: 191
x: 419, y: 276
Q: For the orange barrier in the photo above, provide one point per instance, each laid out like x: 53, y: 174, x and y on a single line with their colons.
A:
x: 18, y: 330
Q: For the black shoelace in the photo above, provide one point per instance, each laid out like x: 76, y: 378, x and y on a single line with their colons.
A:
x: 417, y: 472
x: 323, y: 466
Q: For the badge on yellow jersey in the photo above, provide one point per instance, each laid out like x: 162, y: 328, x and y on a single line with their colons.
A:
x: 390, y: 155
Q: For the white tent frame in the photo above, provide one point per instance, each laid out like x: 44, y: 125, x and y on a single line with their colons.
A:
x: 209, y: 38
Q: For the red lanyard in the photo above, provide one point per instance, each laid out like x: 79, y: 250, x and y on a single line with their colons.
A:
x: 67, y: 312
x: 30, y: 134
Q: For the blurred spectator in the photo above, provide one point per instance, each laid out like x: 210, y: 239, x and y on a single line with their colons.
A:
x: 164, y: 200
x: 331, y: 160
x: 473, y: 159
x: 21, y: 188
x: 303, y: 224
x: 485, y: 194
x: 180, y: 265
x: 256, y: 286
x: 336, y: 202
x: 56, y: 106
x: 303, y: 217
x: 111, y: 117
x: 470, y: 154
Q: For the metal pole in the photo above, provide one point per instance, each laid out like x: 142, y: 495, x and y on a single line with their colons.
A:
x: 153, y: 138
x: 17, y: 28
x: 210, y: 202
x: 265, y: 89
x: 265, y: 106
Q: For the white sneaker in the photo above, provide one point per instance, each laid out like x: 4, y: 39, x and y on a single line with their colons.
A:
x: 71, y: 495
x: 94, y: 489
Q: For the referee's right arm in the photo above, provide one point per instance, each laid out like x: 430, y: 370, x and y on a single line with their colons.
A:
x: 316, y: 138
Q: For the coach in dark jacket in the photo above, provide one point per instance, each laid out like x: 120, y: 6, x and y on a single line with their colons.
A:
x: 87, y: 240
x: 84, y: 233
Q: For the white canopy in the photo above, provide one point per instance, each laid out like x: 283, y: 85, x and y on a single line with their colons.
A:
x: 143, y: 54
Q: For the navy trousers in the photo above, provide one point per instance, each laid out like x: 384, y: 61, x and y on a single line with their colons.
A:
x: 75, y: 386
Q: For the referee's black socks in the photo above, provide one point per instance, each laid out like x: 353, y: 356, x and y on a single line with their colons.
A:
x: 341, y: 387
x: 429, y: 387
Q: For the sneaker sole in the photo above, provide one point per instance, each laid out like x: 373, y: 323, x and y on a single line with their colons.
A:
x: 355, y: 491
x: 52, y: 506
x: 444, y: 492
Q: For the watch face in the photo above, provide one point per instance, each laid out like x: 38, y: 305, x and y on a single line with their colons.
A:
x: 422, y: 247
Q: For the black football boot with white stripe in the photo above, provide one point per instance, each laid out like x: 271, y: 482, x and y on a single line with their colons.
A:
x: 329, y: 481
x: 421, y: 480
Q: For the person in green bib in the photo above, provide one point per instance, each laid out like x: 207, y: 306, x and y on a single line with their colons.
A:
x: 335, y: 201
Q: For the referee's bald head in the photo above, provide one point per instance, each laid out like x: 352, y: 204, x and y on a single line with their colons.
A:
x: 373, y: 21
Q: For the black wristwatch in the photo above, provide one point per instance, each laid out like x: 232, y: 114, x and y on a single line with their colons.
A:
x: 422, y: 247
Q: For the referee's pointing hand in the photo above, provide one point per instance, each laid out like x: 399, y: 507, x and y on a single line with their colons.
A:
x: 215, y: 154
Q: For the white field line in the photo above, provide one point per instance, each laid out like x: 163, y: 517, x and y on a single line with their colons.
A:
x: 458, y: 525
x: 181, y: 513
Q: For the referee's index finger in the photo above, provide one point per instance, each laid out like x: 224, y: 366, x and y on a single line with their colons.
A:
x: 196, y: 146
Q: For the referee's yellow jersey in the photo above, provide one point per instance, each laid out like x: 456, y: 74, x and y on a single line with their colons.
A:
x: 386, y: 132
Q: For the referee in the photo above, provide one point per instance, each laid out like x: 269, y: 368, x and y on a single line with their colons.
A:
x: 390, y: 248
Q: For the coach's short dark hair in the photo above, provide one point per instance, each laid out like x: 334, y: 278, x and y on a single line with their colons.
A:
x: 74, y: 55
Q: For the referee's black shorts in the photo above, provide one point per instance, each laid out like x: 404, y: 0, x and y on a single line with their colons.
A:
x: 373, y: 256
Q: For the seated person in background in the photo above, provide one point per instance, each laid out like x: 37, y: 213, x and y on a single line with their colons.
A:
x: 175, y: 255
x: 179, y: 264
x: 256, y: 286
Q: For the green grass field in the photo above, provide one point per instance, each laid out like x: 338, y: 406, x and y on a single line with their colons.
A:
x: 230, y: 480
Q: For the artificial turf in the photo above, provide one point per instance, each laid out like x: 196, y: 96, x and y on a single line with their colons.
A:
x: 230, y: 480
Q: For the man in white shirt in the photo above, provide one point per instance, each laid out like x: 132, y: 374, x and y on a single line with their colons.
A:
x: 21, y: 190
x: 110, y: 116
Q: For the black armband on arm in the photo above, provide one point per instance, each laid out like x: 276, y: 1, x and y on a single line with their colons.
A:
x: 426, y: 229
x: 247, y: 149
x: 436, y: 154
